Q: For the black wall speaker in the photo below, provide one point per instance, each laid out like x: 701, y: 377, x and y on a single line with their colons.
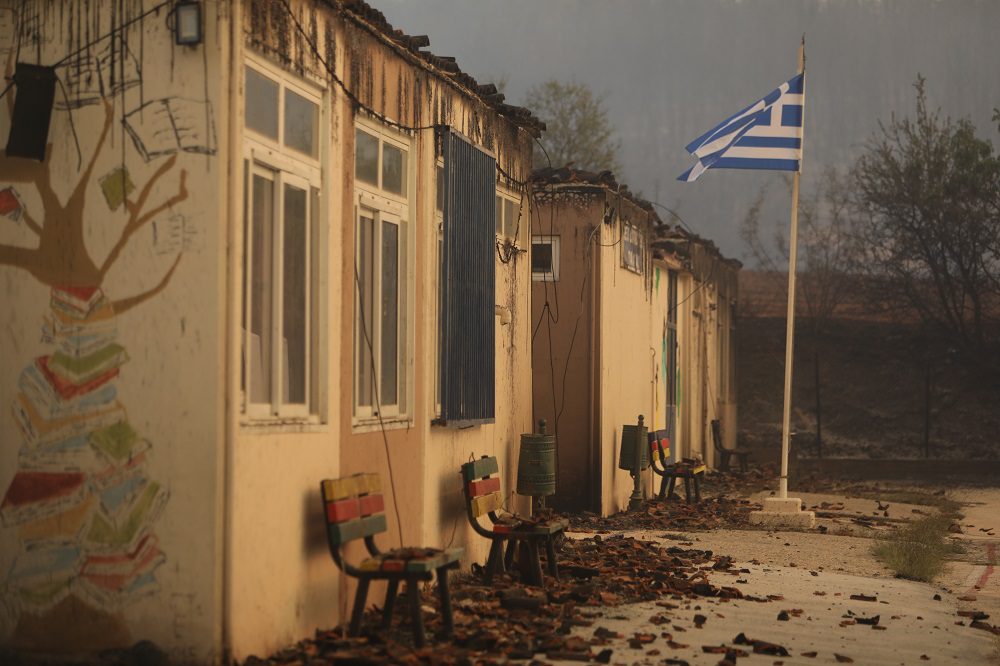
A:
x: 29, y: 126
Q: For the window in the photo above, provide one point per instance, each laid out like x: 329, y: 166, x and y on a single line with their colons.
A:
x: 379, y: 163
x: 439, y: 226
x: 381, y: 294
x: 508, y: 211
x: 281, y: 252
x: 545, y: 258
x: 633, y: 248
x: 672, y: 371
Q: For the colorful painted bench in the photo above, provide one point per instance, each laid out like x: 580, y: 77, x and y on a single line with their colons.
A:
x: 354, y: 508
x: 659, y: 452
x: 483, y: 498
x: 691, y: 471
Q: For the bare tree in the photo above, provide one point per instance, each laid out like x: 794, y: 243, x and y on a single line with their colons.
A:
x: 827, y: 252
x: 827, y: 247
x: 578, y: 131
x: 928, y: 193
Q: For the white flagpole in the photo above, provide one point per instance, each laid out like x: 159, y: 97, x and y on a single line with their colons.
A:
x: 790, y: 317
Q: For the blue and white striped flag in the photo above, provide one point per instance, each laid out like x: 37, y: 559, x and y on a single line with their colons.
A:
x: 765, y: 135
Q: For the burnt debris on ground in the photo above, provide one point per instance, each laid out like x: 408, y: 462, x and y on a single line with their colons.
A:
x: 508, y: 620
x: 710, y: 513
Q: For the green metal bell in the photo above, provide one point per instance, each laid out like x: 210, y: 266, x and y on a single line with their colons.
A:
x: 536, y: 468
x: 633, y: 448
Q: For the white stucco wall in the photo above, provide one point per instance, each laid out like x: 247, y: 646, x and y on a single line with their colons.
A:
x: 283, y: 583
x: 628, y: 364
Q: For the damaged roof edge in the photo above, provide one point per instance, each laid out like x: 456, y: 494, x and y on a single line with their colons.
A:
x: 674, y: 239
x: 568, y: 177
x: 443, y: 67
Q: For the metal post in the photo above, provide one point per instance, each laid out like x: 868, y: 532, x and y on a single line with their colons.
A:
x: 790, y: 317
x: 635, y: 501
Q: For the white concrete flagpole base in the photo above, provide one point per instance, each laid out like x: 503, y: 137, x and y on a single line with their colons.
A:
x: 783, y: 512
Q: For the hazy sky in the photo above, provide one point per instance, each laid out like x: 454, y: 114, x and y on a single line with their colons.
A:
x: 672, y: 69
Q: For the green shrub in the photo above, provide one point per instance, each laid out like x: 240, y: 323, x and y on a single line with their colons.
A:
x: 918, y: 550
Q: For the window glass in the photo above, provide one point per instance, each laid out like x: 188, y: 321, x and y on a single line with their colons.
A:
x: 365, y: 333
x: 366, y: 157
x: 301, y: 124
x: 541, y: 258
x: 260, y: 290
x: 261, y: 104
x: 246, y: 259
x: 393, y: 169
x: 390, y: 313
x: 281, y: 371
x: 315, y: 238
x: 632, y: 248
x: 510, y: 217
x: 440, y: 189
x: 294, y: 330
x: 499, y: 215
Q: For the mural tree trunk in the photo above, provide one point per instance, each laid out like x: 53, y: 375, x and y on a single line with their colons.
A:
x: 81, y: 501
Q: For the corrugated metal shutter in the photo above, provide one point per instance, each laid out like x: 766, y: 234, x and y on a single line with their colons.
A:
x: 468, y: 368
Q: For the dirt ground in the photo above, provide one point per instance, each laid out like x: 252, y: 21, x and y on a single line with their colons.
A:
x: 881, y: 392
x: 812, y: 575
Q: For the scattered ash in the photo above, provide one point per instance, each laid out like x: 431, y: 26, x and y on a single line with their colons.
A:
x: 506, y: 620
x: 710, y: 513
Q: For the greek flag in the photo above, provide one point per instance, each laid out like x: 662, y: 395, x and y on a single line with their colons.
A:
x: 765, y: 135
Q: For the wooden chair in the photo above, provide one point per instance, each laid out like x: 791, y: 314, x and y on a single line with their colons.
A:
x: 725, y: 454
x: 659, y: 449
x: 355, y: 509
x: 691, y: 471
x: 483, y: 498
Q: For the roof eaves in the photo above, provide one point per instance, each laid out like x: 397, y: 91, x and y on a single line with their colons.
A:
x: 443, y: 67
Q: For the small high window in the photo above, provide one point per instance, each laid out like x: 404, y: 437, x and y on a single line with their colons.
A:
x: 545, y: 258
x: 508, y: 222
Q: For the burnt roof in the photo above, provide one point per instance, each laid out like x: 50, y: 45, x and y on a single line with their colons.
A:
x: 569, y: 175
x: 678, y: 240
x: 668, y: 238
x: 443, y: 66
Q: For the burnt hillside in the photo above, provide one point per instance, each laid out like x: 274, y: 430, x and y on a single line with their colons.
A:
x: 879, y: 391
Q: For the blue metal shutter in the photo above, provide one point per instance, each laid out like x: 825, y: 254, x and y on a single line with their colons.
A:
x: 468, y: 368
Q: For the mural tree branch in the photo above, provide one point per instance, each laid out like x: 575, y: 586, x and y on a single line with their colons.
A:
x: 137, y: 218
x: 61, y: 258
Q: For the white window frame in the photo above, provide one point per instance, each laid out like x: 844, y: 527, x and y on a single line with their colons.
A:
x: 509, y: 229
x: 385, y: 206
x: 633, y: 247
x: 286, y: 166
x: 547, y: 276
x: 439, y: 267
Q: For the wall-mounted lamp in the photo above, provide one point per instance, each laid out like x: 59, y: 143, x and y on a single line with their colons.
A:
x: 29, y: 122
x: 187, y: 22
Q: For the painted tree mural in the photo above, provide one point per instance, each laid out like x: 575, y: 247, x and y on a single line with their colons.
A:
x: 81, y: 503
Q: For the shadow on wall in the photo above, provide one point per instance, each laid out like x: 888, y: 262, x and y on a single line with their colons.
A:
x: 314, y: 529
x: 452, y: 509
